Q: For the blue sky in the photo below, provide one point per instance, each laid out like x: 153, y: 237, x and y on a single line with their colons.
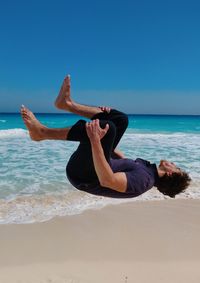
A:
x: 139, y: 56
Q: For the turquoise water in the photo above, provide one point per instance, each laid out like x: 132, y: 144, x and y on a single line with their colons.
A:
x: 138, y: 123
x: 33, y: 184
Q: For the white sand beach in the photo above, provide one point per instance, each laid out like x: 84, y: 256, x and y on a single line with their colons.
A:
x: 149, y: 241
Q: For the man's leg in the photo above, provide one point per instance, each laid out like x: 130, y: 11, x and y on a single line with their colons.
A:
x: 81, y: 166
x: 119, y: 119
x: 38, y: 131
x: 81, y: 163
x: 65, y: 102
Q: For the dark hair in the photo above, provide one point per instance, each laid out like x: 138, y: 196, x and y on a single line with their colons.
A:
x: 173, y: 184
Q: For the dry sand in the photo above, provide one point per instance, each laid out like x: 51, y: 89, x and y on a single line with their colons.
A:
x: 152, y: 241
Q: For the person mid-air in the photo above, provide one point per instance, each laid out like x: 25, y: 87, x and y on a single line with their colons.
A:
x: 97, y: 166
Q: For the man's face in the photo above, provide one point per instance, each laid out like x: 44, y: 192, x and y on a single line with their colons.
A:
x: 169, y: 167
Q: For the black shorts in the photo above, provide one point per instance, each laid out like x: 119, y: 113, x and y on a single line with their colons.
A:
x: 80, y: 168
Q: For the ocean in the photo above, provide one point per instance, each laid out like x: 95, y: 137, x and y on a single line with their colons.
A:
x: 33, y: 183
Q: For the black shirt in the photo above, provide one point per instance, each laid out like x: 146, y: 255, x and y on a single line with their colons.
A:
x: 141, y: 177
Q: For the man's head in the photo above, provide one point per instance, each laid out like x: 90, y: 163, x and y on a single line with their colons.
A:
x: 172, y: 180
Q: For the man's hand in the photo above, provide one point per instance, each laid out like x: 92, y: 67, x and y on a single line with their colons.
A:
x: 94, y: 131
x: 105, y: 109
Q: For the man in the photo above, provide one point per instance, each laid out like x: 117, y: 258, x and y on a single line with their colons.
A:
x: 97, y: 167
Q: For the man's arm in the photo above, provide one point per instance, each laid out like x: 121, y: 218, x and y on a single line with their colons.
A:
x: 115, y: 181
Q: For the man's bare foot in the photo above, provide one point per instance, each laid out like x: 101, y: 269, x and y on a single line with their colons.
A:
x: 35, y: 128
x: 64, y: 101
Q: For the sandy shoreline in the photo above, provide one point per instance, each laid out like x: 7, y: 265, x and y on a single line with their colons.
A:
x: 153, y: 241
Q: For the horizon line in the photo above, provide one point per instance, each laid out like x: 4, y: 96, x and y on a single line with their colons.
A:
x: 136, y: 114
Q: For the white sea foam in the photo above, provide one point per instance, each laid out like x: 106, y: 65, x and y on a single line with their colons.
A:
x: 13, y: 133
x: 34, y: 208
x: 27, y: 209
